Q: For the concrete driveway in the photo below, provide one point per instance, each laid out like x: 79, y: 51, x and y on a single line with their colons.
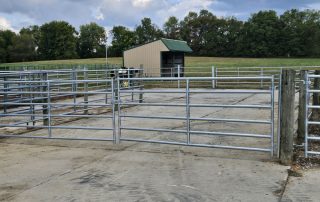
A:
x: 53, y: 170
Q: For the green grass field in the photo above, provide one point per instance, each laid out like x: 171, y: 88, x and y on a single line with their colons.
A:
x: 190, y: 62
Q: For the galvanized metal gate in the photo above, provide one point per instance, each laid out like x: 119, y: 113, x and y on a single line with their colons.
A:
x: 40, y: 103
x: 54, y: 100
x: 312, y: 116
x: 182, y: 88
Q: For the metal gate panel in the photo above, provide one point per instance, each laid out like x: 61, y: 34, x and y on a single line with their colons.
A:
x: 311, y: 109
x: 184, y: 90
x: 37, y: 102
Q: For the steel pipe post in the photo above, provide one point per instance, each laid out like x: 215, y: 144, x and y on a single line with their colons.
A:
x: 213, y: 75
x: 141, y: 84
x: 188, y: 111
x: 178, y: 76
x: 85, y: 97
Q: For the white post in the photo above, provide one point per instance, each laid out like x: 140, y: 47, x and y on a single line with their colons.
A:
x: 213, y: 75
x: 261, y: 80
x: 178, y: 76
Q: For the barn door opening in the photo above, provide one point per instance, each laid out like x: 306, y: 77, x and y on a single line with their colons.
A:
x: 170, y: 62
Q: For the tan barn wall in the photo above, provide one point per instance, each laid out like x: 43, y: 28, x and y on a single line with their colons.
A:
x: 149, y: 55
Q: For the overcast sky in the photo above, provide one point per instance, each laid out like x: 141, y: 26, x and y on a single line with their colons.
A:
x: 15, y: 14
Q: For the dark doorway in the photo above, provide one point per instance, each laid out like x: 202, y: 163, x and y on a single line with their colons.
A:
x: 170, y: 62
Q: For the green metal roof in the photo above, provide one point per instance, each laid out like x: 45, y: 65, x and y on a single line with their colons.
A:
x: 176, y: 45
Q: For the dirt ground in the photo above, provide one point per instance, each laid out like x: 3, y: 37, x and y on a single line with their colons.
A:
x: 56, y: 170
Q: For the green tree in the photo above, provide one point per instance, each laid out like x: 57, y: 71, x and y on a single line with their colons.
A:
x: 227, y: 34
x: 312, y: 33
x: 6, y: 40
x: 122, y: 38
x: 23, y: 48
x: 92, y: 41
x: 262, y: 35
x: 200, y: 31
x: 58, y: 40
x: 34, y: 31
x: 293, y: 28
x: 147, y: 31
x: 171, y: 28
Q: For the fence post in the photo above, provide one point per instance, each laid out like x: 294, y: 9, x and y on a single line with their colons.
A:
x: 216, y: 81
x: 116, y: 87
x: 31, y: 97
x: 188, y: 111
x: 213, y: 75
x: 141, y: 84
x: 261, y: 80
x: 302, y: 107
x: 279, y: 112
x: 49, y: 108
x: 73, y: 77
x: 178, y: 76
x: 5, y: 96
x: 238, y: 75
x: 287, y: 116
x: 113, y: 104
x: 45, y: 99
x: 117, y: 105
x: 85, y: 97
x: 107, y: 77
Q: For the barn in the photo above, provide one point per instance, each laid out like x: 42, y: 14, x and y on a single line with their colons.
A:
x: 158, y: 58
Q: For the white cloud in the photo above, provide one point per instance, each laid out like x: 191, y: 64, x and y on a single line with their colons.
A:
x: 129, y: 13
x: 182, y: 8
x: 312, y: 6
x: 141, y: 3
x: 97, y: 14
x: 5, y: 24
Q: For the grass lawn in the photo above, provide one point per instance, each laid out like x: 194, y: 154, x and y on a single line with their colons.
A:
x: 199, y: 62
x: 249, y: 62
x: 117, y: 60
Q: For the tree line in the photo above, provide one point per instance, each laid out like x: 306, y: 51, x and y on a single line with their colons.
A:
x: 294, y: 33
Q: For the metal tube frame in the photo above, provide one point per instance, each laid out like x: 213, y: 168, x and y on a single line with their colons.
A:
x: 188, y: 118
x: 73, y: 87
x: 308, y: 106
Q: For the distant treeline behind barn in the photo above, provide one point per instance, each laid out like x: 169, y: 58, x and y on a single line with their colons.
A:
x: 265, y: 34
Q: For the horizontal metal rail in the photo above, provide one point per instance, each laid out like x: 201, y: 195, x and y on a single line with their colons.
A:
x: 198, y: 145
x: 56, y: 138
x: 198, y: 119
x: 199, y: 91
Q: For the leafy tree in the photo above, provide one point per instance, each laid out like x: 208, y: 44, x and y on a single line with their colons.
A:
x: 200, y: 31
x: 147, y: 31
x: 34, y: 31
x: 171, y: 28
x: 57, y: 41
x: 23, y: 48
x: 262, y: 35
x: 189, y: 31
x: 312, y: 33
x: 92, y: 41
x: 228, y: 32
x: 122, y: 38
x: 6, y: 40
x: 293, y: 29
x: 2, y: 50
